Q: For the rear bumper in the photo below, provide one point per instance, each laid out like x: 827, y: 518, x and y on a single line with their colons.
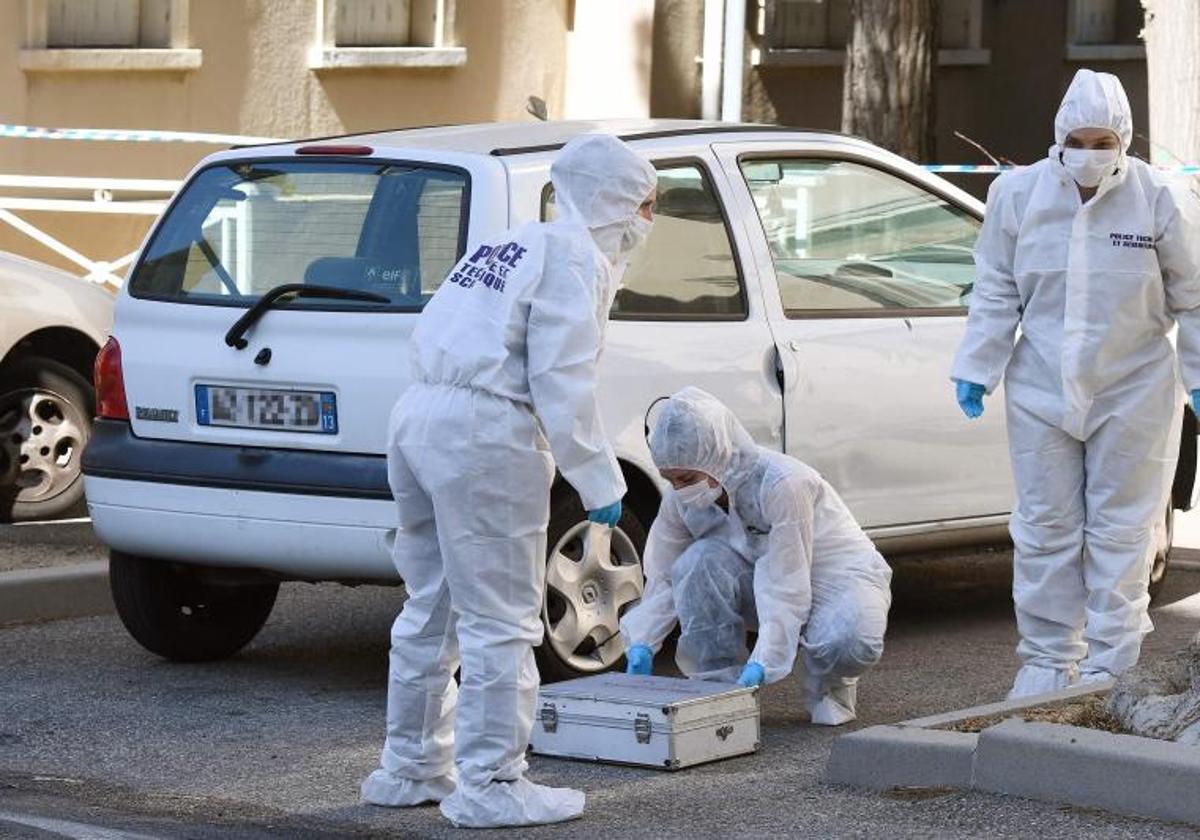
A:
x: 302, y: 515
x: 114, y: 452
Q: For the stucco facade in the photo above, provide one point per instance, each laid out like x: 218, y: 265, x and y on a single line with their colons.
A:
x: 247, y: 67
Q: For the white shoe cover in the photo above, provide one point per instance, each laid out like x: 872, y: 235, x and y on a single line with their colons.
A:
x: 1038, y: 679
x: 835, y: 707
x: 519, y: 802
x: 1094, y: 677
x: 392, y: 791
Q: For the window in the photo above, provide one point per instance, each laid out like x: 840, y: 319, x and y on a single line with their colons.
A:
x: 107, y: 35
x: 811, y: 24
x: 108, y: 23
x: 814, y: 32
x: 386, y: 33
x: 850, y: 238
x: 1105, y: 30
x: 240, y: 229
x: 687, y: 269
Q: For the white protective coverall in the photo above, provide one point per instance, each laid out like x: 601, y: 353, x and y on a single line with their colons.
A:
x: 787, y: 558
x: 1093, y: 394
x: 504, y: 374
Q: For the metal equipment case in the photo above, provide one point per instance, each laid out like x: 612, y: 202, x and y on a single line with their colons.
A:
x: 647, y: 721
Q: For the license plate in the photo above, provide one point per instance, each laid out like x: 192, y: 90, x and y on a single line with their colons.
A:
x: 259, y: 408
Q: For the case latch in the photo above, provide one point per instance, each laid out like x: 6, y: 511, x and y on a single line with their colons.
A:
x: 549, y: 718
x: 641, y: 728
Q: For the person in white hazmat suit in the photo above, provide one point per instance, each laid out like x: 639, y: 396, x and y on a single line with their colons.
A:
x: 504, y: 374
x: 1095, y: 256
x: 751, y: 538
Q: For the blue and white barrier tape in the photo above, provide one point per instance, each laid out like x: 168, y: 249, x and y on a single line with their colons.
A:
x: 1183, y: 169
x: 32, y: 132
x: 966, y: 168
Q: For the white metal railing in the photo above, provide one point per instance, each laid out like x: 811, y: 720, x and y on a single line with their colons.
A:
x: 67, y: 194
x: 104, y: 199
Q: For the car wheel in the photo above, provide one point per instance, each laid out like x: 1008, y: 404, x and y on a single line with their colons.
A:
x: 172, y: 611
x: 1164, y: 536
x: 586, y: 597
x: 45, y: 422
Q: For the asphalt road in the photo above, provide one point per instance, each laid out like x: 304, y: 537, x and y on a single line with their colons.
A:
x: 100, y: 739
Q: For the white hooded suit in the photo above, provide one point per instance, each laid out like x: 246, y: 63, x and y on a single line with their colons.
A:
x: 504, y: 371
x: 1093, y: 395
x: 787, y: 559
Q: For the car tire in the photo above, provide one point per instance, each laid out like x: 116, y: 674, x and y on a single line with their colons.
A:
x: 172, y: 611
x: 1162, y: 555
x: 604, y: 595
x: 46, y: 411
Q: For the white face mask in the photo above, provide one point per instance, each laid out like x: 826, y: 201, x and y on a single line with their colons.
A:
x: 701, y: 494
x: 635, y: 234
x: 1089, y: 166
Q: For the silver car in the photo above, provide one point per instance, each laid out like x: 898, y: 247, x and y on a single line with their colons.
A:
x: 51, y: 326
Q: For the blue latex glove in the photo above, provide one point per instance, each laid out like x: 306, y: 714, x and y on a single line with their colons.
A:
x: 608, y: 515
x: 1196, y: 401
x: 970, y: 397
x: 639, y: 659
x: 752, y: 675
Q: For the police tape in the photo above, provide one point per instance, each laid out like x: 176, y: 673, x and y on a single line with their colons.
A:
x: 33, y: 132
x: 972, y: 169
x: 967, y: 168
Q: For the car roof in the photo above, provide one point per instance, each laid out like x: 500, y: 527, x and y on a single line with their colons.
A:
x: 506, y: 138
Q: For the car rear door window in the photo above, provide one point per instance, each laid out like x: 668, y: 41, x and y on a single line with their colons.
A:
x: 240, y: 229
x: 850, y: 238
x: 687, y: 269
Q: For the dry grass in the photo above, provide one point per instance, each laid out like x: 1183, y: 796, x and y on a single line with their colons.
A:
x: 1087, y: 712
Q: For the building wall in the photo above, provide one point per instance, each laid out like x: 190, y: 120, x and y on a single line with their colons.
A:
x: 608, y: 59
x: 255, y: 79
x: 1007, y: 104
x: 676, y: 69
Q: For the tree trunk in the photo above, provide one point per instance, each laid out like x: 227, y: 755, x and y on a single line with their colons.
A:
x: 888, y: 93
x: 1173, y: 68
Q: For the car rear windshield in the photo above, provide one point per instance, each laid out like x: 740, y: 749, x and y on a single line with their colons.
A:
x: 242, y: 228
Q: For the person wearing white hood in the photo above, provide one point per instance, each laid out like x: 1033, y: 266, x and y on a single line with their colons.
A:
x: 751, y: 538
x: 504, y: 374
x: 1095, y: 256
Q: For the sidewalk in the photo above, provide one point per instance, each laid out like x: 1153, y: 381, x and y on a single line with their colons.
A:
x: 40, y: 545
x: 52, y: 570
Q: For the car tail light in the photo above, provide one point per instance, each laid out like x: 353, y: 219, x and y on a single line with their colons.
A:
x: 110, y: 383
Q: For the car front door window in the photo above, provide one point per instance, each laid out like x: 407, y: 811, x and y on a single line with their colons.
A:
x: 850, y: 238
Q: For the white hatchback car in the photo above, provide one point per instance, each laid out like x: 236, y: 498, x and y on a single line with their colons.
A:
x: 814, y: 282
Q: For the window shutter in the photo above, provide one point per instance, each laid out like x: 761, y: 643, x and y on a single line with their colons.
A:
x: 373, y: 23
x: 1094, y: 22
x: 802, y: 24
x: 956, y: 24
x: 154, y: 24
x: 92, y: 23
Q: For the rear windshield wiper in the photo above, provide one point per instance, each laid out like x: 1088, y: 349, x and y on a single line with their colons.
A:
x: 235, y: 338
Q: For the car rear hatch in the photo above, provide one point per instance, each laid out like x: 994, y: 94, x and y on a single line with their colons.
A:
x: 373, y: 231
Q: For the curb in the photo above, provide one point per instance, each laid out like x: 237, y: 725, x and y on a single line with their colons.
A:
x: 31, y: 595
x: 1122, y: 773
x: 1051, y: 762
x: 887, y: 757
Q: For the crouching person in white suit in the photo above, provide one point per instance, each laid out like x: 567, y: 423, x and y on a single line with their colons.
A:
x: 751, y: 538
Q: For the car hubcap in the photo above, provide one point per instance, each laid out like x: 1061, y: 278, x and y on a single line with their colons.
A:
x: 41, y: 440
x: 587, y: 590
